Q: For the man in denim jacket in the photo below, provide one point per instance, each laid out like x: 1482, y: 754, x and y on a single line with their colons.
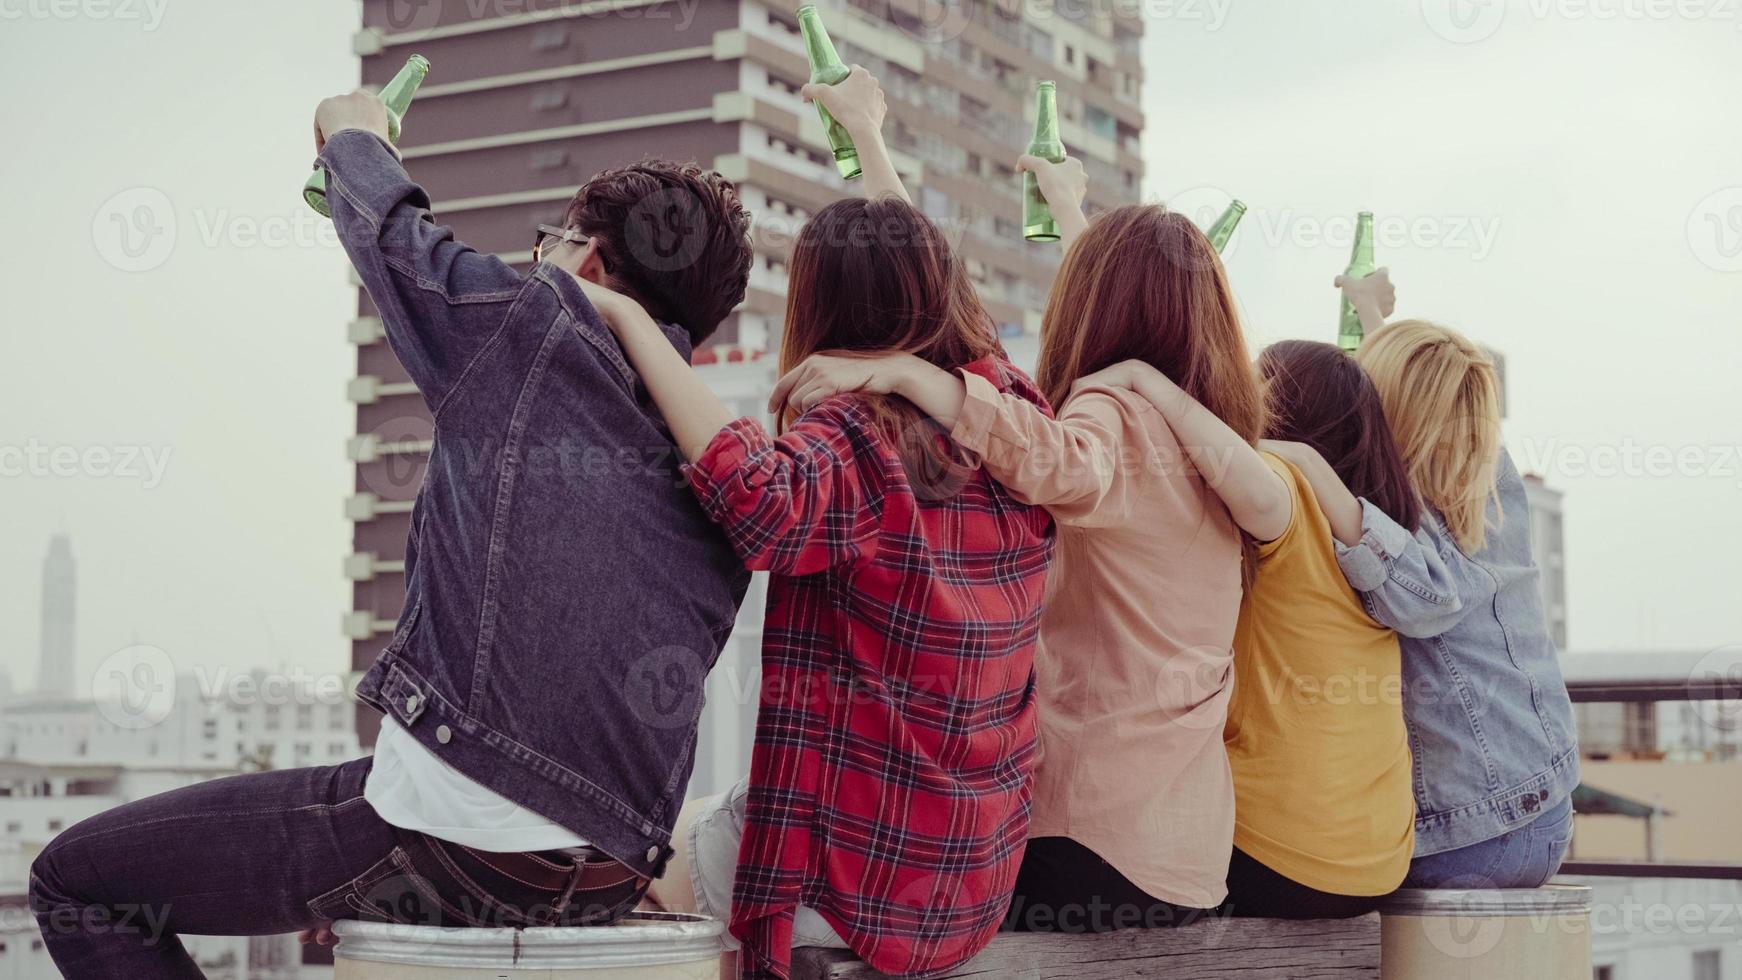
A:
x: 565, y: 598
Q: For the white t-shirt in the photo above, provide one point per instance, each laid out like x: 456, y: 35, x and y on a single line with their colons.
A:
x: 412, y: 789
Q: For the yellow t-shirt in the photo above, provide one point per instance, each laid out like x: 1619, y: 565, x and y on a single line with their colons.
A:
x: 1315, y: 730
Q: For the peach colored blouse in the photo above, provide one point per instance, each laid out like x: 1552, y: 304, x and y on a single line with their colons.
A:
x: 1135, y: 662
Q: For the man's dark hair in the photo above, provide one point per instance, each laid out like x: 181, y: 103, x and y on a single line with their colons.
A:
x: 673, y: 236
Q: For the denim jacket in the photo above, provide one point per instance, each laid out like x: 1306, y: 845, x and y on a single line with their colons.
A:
x: 565, y: 594
x: 1490, y: 723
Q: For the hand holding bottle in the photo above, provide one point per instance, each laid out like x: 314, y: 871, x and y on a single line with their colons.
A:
x: 358, y: 110
x: 1064, y: 184
x: 857, y: 103
x: 1370, y: 295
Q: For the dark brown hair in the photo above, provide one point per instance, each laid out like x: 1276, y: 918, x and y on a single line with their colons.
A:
x: 1320, y: 396
x: 673, y: 236
x: 876, y: 276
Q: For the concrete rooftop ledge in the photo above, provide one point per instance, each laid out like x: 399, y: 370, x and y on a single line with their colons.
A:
x: 1267, y: 949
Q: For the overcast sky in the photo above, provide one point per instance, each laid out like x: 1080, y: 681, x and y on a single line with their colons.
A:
x: 1561, y: 180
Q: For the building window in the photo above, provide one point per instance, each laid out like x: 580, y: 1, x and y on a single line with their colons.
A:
x: 1603, y: 973
x: 1709, y: 964
x: 56, y: 824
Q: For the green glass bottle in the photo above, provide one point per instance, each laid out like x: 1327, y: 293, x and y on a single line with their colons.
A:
x: 828, y: 69
x: 396, y: 95
x: 1361, y: 265
x: 1223, y: 230
x: 1037, y: 221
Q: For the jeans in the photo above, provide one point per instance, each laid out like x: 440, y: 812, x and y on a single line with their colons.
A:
x: 1068, y: 888
x: 1524, y: 858
x: 275, y: 852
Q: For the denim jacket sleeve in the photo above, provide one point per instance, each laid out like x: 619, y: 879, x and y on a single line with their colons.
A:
x: 440, y: 300
x: 1404, y: 579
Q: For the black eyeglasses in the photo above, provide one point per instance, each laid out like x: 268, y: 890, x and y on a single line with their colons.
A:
x: 546, y: 233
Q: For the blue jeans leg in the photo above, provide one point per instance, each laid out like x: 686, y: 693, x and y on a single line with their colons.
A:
x: 1524, y: 858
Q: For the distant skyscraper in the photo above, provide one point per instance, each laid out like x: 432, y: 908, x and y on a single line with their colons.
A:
x: 55, y: 674
x: 1548, y: 546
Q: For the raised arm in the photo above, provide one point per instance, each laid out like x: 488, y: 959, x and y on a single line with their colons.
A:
x: 858, y: 104
x: 796, y: 504
x: 440, y: 300
x: 1256, y: 497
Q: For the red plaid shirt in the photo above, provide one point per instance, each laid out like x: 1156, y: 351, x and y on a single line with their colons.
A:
x: 889, y: 784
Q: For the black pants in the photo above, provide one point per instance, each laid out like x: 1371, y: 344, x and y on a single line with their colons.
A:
x: 276, y: 852
x: 1256, y: 892
x: 1065, y: 887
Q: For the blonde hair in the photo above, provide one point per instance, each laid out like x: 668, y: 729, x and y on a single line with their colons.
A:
x: 1442, y: 399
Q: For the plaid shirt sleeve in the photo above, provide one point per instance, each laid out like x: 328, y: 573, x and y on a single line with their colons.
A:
x: 797, y: 504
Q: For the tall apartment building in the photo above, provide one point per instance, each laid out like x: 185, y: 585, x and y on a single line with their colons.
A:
x: 528, y: 98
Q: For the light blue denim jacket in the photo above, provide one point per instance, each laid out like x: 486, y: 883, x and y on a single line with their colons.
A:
x: 1490, y: 723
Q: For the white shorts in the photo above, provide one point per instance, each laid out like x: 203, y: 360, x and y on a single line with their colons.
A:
x: 713, y: 843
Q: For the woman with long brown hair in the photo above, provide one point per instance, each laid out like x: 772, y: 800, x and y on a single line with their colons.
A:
x: 889, y: 781
x: 1134, y: 801
x: 1315, y: 731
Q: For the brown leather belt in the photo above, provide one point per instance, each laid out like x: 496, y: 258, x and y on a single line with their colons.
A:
x: 555, y: 871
